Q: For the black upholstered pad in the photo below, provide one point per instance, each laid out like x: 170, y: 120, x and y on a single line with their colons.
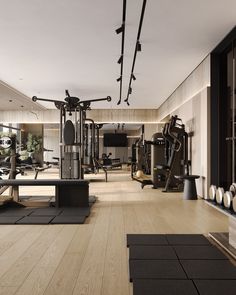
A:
x: 151, y: 252
x: 68, y: 220
x: 216, y: 287
x: 46, y: 212
x: 9, y: 219
x: 69, y: 132
x: 156, y: 269
x: 38, y: 182
x: 187, y: 239
x: 16, y: 212
x: 146, y: 239
x: 198, y: 252
x: 209, y: 269
x: 164, y: 287
x: 35, y: 220
x: 82, y: 211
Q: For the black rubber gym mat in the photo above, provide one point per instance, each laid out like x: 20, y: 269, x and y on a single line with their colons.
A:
x: 187, y: 239
x: 151, y: 252
x: 16, y: 212
x: 156, y: 269
x: 216, y: 287
x: 209, y: 269
x: 75, y: 211
x: 199, y: 252
x: 9, y: 219
x: 68, y: 220
x: 35, y: 220
x: 146, y: 239
x: 164, y: 287
x: 46, y: 212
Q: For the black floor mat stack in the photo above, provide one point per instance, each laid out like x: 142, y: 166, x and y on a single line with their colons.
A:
x: 178, y: 265
x: 45, y: 215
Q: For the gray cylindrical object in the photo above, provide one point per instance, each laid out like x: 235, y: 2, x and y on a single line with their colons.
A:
x: 190, y: 191
x: 76, y: 169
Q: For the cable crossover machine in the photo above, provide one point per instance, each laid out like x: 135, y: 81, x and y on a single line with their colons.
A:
x: 73, y: 137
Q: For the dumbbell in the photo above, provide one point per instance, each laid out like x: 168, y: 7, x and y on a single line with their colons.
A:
x: 228, y: 198
x: 234, y: 204
x: 219, y: 195
x: 212, y: 192
x: 229, y: 195
x: 233, y: 190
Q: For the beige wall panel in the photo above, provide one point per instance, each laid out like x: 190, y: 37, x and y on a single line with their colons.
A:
x: 195, y: 115
x: 108, y: 116
x: 197, y: 81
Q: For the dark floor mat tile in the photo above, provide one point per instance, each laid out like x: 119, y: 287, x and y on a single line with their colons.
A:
x: 9, y: 219
x: 46, y: 212
x: 16, y: 212
x: 75, y: 211
x: 198, y: 252
x: 164, y: 287
x: 209, y: 269
x: 187, y: 239
x: 35, y: 220
x: 68, y: 220
x: 156, y: 269
x: 146, y: 239
x: 216, y: 287
x: 151, y: 252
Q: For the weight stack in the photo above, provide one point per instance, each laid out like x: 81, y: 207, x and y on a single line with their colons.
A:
x: 70, y: 165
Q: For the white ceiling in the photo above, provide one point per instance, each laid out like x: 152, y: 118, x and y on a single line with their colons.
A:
x: 48, y: 46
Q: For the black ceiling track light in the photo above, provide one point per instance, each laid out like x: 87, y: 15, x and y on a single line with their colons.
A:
x: 121, y: 59
x: 137, y: 49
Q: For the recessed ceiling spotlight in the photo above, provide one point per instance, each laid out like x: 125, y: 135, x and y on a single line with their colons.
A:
x: 21, y: 79
x: 120, y: 59
x: 10, y: 100
x: 119, y: 30
x: 133, y: 77
x: 138, y: 46
x: 22, y: 106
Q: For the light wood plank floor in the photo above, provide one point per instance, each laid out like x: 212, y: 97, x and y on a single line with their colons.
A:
x: 93, y: 258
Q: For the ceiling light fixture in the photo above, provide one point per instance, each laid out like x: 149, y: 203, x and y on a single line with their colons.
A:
x: 121, y: 59
x: 138, y: 47
x: 118, y: 79
x: 119, y: 30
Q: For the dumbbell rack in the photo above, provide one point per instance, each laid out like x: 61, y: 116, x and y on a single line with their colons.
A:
x: 227, y: 240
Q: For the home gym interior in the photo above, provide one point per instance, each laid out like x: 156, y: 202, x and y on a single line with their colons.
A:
x: 117, y: 147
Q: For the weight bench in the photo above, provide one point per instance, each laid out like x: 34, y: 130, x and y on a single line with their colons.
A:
x: 68, y: 192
